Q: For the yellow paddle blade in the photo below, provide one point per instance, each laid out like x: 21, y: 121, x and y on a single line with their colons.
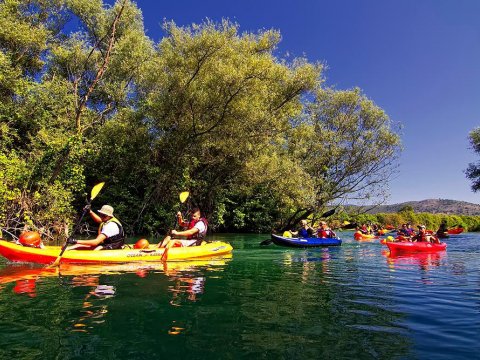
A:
x: 184, y: 196
x: 287, y: 234
x: 346, y: 222
x: 96, y: 189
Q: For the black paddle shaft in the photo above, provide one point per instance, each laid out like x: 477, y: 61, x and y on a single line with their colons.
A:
x: 75, y: 229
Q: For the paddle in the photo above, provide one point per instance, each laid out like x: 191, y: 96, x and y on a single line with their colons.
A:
x: 324, y: 215
x: 183, y: 196
x: 9, y: 233
x: 93, y: 194
x: 328, y: 213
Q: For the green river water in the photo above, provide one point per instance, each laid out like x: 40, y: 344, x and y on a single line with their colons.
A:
x: 265, y: 302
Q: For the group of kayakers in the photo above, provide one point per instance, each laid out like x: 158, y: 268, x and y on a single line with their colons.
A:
x: 368, y: 229
x: 406, y: 232
x: 306, y: 231
x: 373, y: 229
x: 112, y: 236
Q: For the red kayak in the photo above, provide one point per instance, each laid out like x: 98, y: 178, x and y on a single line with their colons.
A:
x: 412, y: 247
x: 455, y: 231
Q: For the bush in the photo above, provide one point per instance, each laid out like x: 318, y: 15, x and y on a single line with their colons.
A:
x: 431, y: 221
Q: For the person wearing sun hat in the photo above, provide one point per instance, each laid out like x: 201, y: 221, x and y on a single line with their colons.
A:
x: 110, y: 232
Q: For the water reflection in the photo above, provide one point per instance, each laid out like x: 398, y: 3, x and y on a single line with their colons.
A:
x: 187, y: 283
x: 87, y: 290
x: 269, y: 303
x: 186, y: 289
x: 93, y: 309
x: 421, y: 261
x: 26, y: 286
x: 312, y: 262
x: 26, y: 276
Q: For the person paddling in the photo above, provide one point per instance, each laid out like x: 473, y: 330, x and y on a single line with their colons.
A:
x: 324, y: 231
x: 442, y: 231
x: 195, y: 233
x: 110, y: 232
x: 424, y: 236
x: 305, y: 230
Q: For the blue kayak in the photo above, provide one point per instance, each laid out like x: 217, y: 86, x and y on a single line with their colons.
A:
x: 305, y: 242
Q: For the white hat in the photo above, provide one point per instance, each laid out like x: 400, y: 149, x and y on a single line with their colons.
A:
x: 106, y: 210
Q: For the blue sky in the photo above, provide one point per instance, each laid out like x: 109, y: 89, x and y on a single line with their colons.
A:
x: 417, y: 59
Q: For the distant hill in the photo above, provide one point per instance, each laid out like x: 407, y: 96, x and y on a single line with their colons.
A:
x: 433, y: 206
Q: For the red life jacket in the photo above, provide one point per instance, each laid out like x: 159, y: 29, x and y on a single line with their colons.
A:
x: 326, y: 233
x: 198, y: 235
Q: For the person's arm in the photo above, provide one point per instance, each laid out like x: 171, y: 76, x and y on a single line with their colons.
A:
x: 109, y: 230
x: 94, y: 216
x: 188, y: 232
x: 180, y: 220
x: 94, y: 242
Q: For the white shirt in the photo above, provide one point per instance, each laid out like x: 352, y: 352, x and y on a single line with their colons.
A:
x: 110, y: 229
x: 200, y: 225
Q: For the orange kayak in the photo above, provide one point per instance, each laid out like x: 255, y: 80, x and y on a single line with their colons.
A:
x: 359, y: 236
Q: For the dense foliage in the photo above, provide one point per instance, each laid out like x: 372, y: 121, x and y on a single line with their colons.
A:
x: 86, y: 96
x: 431, y: 221
x: 473, y: 170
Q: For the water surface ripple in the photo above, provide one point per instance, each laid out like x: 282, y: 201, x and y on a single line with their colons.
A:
x: 265, y: 302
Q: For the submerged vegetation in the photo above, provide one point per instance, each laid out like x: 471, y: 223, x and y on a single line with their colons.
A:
x: 258, y: 140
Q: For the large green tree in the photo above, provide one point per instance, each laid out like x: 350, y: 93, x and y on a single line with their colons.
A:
x: 216, y: 102
x: 57, y: 88
x: 473, y: 170
x: 86, y: 96
x: 348, y: 147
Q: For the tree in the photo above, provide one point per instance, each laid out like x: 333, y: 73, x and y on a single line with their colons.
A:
x: 216, y: 102
x: 473, y: 170
x: 57, y: 89
x: 255, y: 138
x: 347, y: 145
x: 406, y: 209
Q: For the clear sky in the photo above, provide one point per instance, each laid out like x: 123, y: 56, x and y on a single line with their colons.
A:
x: 417, y: 59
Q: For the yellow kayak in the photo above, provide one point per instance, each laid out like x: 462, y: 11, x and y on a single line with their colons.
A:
x: 47, y: 255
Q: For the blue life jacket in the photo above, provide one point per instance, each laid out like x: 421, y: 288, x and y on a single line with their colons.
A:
x: 303, y: 233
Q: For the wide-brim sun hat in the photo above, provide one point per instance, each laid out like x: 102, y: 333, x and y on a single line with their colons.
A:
x: 106, y: 210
